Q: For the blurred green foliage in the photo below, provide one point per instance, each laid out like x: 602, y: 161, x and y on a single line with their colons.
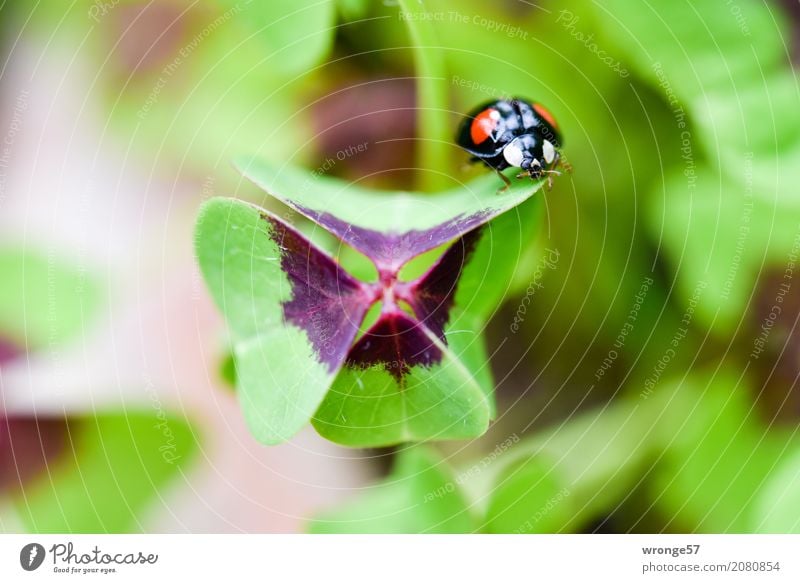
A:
x: 681, y: 121
x: 418, y: 497
x: 98, y: 471
x: 112, y: 475
x: 44, y: 300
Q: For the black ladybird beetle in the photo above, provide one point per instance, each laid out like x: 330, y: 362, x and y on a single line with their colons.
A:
x: 508, y: 133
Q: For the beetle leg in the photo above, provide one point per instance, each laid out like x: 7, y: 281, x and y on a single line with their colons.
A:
x: 550, y: 174
x: 505, y: 179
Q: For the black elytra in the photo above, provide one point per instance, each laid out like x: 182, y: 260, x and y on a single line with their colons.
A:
x: 518, y: 133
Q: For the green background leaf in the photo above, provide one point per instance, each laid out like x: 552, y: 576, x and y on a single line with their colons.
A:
x: 44, y: 299
x: 420, y: 496
x: 113, y: 475
x: 718, y: 456
x: 296, y: 34
x: 778, y: 508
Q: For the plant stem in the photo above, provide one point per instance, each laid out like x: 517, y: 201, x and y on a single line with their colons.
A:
x: 433, y: 132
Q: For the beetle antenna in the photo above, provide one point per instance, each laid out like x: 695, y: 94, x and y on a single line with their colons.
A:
x: 564, y: 164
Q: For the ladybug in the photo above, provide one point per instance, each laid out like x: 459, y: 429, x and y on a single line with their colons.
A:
x: 513, y: 133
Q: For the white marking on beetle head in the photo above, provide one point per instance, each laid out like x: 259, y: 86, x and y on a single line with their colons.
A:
x: 513, y: 154
x: 549, y: 152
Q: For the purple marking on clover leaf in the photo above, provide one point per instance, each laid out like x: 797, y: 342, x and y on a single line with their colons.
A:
x: 327, y: 303
x: 397, y: 342
x: 390, y: 251
x: 432, y: 295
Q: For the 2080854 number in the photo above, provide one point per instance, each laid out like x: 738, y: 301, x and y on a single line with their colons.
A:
x: 755, y: 566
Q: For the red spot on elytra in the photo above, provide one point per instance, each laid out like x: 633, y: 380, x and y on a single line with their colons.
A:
x: 483, y: 125
x: 545, y: 113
